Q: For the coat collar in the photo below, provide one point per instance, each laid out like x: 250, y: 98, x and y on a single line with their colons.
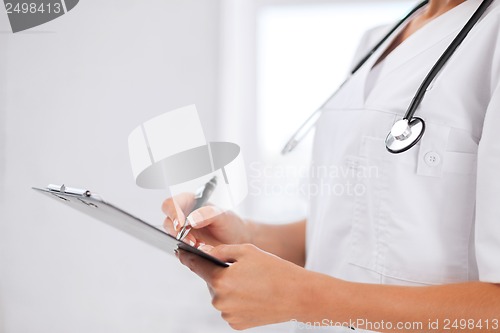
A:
x: 439, y: 29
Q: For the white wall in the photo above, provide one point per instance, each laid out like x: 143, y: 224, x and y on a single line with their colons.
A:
x: 70, y: 92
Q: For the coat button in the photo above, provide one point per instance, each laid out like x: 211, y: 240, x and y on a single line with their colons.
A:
x: 432, y: 158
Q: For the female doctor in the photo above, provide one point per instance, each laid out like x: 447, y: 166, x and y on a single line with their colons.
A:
x: 422, y: 245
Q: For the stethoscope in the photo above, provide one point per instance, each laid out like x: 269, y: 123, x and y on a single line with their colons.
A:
x: 405, y: 133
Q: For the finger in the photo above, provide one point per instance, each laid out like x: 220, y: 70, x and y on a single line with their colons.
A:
x: 189, y: 239
x: 204, y: 216
x: 211, y: 290
x: 200, y: 266
x: 205, y: 248
x: 169, y: 227
x: 177, y: 206
x: 226, y: 253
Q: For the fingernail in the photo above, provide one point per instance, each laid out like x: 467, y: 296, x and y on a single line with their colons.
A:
x: 192, y: 243
x: 200, y: 245
x: 194, y: 218
x: 176, y: 224
x: 205, y: 248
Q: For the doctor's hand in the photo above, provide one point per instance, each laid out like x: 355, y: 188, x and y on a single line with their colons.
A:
x: 210, y: 224
x: 257, y: 289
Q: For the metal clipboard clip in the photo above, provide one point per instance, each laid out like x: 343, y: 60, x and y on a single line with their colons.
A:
x: 65, y: 193
x: 68, y: 190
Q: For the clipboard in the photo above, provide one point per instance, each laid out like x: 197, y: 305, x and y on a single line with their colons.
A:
x: 93, y: 205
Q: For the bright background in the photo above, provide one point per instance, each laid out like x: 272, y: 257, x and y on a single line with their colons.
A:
x: 72, y: 90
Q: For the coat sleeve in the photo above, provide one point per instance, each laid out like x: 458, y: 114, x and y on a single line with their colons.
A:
x: 487, y: 227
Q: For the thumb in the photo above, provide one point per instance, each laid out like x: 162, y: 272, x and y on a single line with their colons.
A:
x: 226, y: 253
x: 204, y: 216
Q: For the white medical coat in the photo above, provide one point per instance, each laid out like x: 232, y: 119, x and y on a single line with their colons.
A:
x: 430, y: 215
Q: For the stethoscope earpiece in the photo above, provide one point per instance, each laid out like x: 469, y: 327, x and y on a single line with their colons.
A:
x: 404, y: 134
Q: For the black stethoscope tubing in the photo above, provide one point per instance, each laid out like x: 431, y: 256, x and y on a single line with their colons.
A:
x: 435, y: 70
x: 438, y: 66
x: 445, y: 57
x: 387, y: 36
x: 412, y: 122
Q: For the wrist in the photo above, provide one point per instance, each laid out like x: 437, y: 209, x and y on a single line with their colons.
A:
x: 304, y: 296
x: 320, y: 298
x: 250, y: 228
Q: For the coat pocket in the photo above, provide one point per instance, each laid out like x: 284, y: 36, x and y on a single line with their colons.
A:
x: 414, y: 223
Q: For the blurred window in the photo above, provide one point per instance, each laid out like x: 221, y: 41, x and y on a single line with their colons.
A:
x: 304, y: 52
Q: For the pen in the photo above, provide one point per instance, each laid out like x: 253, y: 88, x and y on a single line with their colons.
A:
x: 201, y: 198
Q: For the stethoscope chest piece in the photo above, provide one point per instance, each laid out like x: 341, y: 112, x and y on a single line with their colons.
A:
x: 404, y: 135
x: 408, y: 131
